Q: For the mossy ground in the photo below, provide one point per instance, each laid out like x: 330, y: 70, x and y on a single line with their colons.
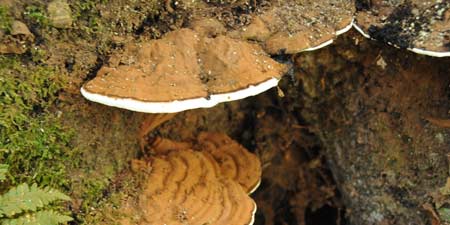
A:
x: 48, y: 133
x: 32, y: 142
x: 5, y: 19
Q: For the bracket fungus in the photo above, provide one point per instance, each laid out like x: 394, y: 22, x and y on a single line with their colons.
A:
x: 190, y: 187
x: 297, y: 26
x: 420, y: 26
x: 235, y: 161
x: 183, y: 70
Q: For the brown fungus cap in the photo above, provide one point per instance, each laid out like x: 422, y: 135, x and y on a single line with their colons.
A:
x: 234, y: 160
x: 300, y: 25
x: 422, y: 26
x: 185, y: 187
x: 162, y: 146
x: 183, y: 70
x: 209, y: 27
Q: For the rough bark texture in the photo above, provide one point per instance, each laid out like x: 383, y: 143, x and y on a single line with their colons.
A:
x: 372, y: 106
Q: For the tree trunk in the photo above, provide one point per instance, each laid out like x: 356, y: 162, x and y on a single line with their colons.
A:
x: 381, y: 114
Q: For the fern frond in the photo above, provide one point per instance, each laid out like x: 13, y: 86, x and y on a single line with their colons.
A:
x: 3, y: 171
x: 45, y: 217
x: 24, y: 198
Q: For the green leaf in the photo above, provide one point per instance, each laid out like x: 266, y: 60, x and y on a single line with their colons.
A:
x: 3, y: 171
x: 444, y: 214
x: 45, y: 217
x: 24, y: 198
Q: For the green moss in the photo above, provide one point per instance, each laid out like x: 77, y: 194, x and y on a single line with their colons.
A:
x: 37, y: 54
x: 444, y: 214
x: 86, y: 13
x: 107, y: 210
x: 102, y: 17
x: 94, y: 191
x: 5, y: 20
x: 37, y: 15
x: 32, y: 142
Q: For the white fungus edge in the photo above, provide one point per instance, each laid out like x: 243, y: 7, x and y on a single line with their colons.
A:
x: 329, y: 42
x: 179, y: 105
x: 253, y: 213
x: 326, y: 43
x: 345, y: 29
x: 429, y: 53
x: 255, y: 187
x: 361, y: 31
x: 415, y: 50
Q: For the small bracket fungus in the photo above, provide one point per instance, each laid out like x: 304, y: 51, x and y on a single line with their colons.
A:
x: 297, y: 26
x: 189, y: 187
x: 184, y: 188
x: 234, y: 161
x: 183, y: 70
x: 420, y: 26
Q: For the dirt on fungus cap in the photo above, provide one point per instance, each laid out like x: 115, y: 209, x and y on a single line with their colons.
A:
x: 296, y: 26
x: 186, y: 187
x: 422, y: 26
x: 181, y: 71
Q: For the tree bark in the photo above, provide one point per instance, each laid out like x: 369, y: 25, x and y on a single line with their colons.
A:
x: 380, y: 113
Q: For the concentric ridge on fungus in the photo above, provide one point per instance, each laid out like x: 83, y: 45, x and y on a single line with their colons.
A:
x: 186, y: 187
x: 234, y: 160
